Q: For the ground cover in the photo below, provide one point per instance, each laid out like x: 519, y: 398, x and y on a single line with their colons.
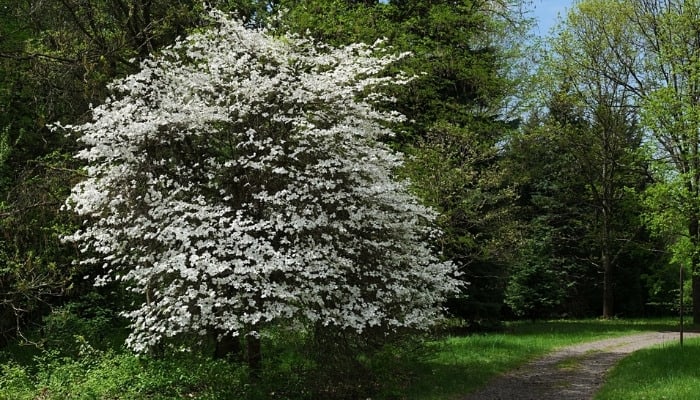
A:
x: 663, y: 372
x: 444, y: 368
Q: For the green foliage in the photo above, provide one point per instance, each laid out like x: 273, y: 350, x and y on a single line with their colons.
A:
x: 454, y: 170
x: 101, y: 375
x: 337, y: 22
x: 80, y: 356
x: 346, y: 365
x: 462, y: 55
x: 667, y: 206
x: 555, y: 219
x: 35, y: 268
x: 535, y: 288
x: 68, y: 328
x: 649, y: 50
x: 662, y: 283
x: 78, y: 353
x: 25, y: 280
x: 580, y: 166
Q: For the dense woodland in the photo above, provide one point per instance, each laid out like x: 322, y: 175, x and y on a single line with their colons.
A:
x: 565, y: 171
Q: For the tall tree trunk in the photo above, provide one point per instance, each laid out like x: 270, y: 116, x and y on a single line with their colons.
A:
x: 694, y: 231
x: 696, y: 295
x: 606, y: 249
x: 608, y: 293
x: 694, y: 223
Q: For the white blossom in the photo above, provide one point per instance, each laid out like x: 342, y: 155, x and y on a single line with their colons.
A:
x: 239, y: 179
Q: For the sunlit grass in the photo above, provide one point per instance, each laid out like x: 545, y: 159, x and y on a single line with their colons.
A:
x: 663, y: 372
x: 464, y: 363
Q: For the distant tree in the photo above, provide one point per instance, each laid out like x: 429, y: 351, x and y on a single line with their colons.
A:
x: 581, y: 174
x: 651, y: 48
x: 550, y: 274
x: 606, y: 146
x: 467, y: 59
x: 238, y: 180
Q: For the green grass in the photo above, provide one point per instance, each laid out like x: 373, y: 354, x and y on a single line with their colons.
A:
x: 663, y: 372
x: 462, y: 364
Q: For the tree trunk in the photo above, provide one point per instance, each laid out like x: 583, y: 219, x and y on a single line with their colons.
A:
x: 696, y: 297
x: 693, y: 228
x: 606, y: 258
x: 254, y: 355
x: 608, y: 293
x: 227, y: 346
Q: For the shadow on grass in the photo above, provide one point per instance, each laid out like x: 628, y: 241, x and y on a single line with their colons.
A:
x: 462, y: 364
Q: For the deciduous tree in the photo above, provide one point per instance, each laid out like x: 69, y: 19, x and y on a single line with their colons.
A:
x: 56, y: 58
x: 655, y: 44
x: 238, y: 180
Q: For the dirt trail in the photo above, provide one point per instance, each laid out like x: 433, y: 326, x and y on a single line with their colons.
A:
x: 572, y: 373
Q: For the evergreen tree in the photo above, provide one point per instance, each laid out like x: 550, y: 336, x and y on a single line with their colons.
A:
x: 464, y: 57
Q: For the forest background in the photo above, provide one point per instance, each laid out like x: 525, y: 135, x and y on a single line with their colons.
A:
x: 565, y: 170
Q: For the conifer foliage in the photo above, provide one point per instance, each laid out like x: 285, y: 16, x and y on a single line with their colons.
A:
x: 238, y: 179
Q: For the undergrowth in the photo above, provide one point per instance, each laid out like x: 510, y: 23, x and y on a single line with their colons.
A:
x: 78, y: 354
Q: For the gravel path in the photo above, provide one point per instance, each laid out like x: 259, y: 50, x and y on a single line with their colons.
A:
x: 572, y: 373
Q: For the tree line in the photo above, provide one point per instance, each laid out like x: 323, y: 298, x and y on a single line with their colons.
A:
x: 564, y: 172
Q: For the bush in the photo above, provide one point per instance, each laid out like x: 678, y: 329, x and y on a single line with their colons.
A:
x: 112, y: 375
x: 15, y: 382
x: 81, y: 356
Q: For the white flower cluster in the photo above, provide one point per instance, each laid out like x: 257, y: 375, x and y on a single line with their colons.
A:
x: 238, y: 179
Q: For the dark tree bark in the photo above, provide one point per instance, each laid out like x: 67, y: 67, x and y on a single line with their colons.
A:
x: 254, y: 355
x: 228, y: 346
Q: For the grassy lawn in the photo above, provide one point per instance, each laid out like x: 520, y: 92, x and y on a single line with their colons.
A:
x: 663, y: 372
x: 462, y: 364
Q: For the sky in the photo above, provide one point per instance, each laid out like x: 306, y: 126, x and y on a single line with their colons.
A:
x: 546, y: 11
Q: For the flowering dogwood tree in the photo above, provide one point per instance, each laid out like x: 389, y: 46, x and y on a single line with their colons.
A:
x: 238, y: 180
